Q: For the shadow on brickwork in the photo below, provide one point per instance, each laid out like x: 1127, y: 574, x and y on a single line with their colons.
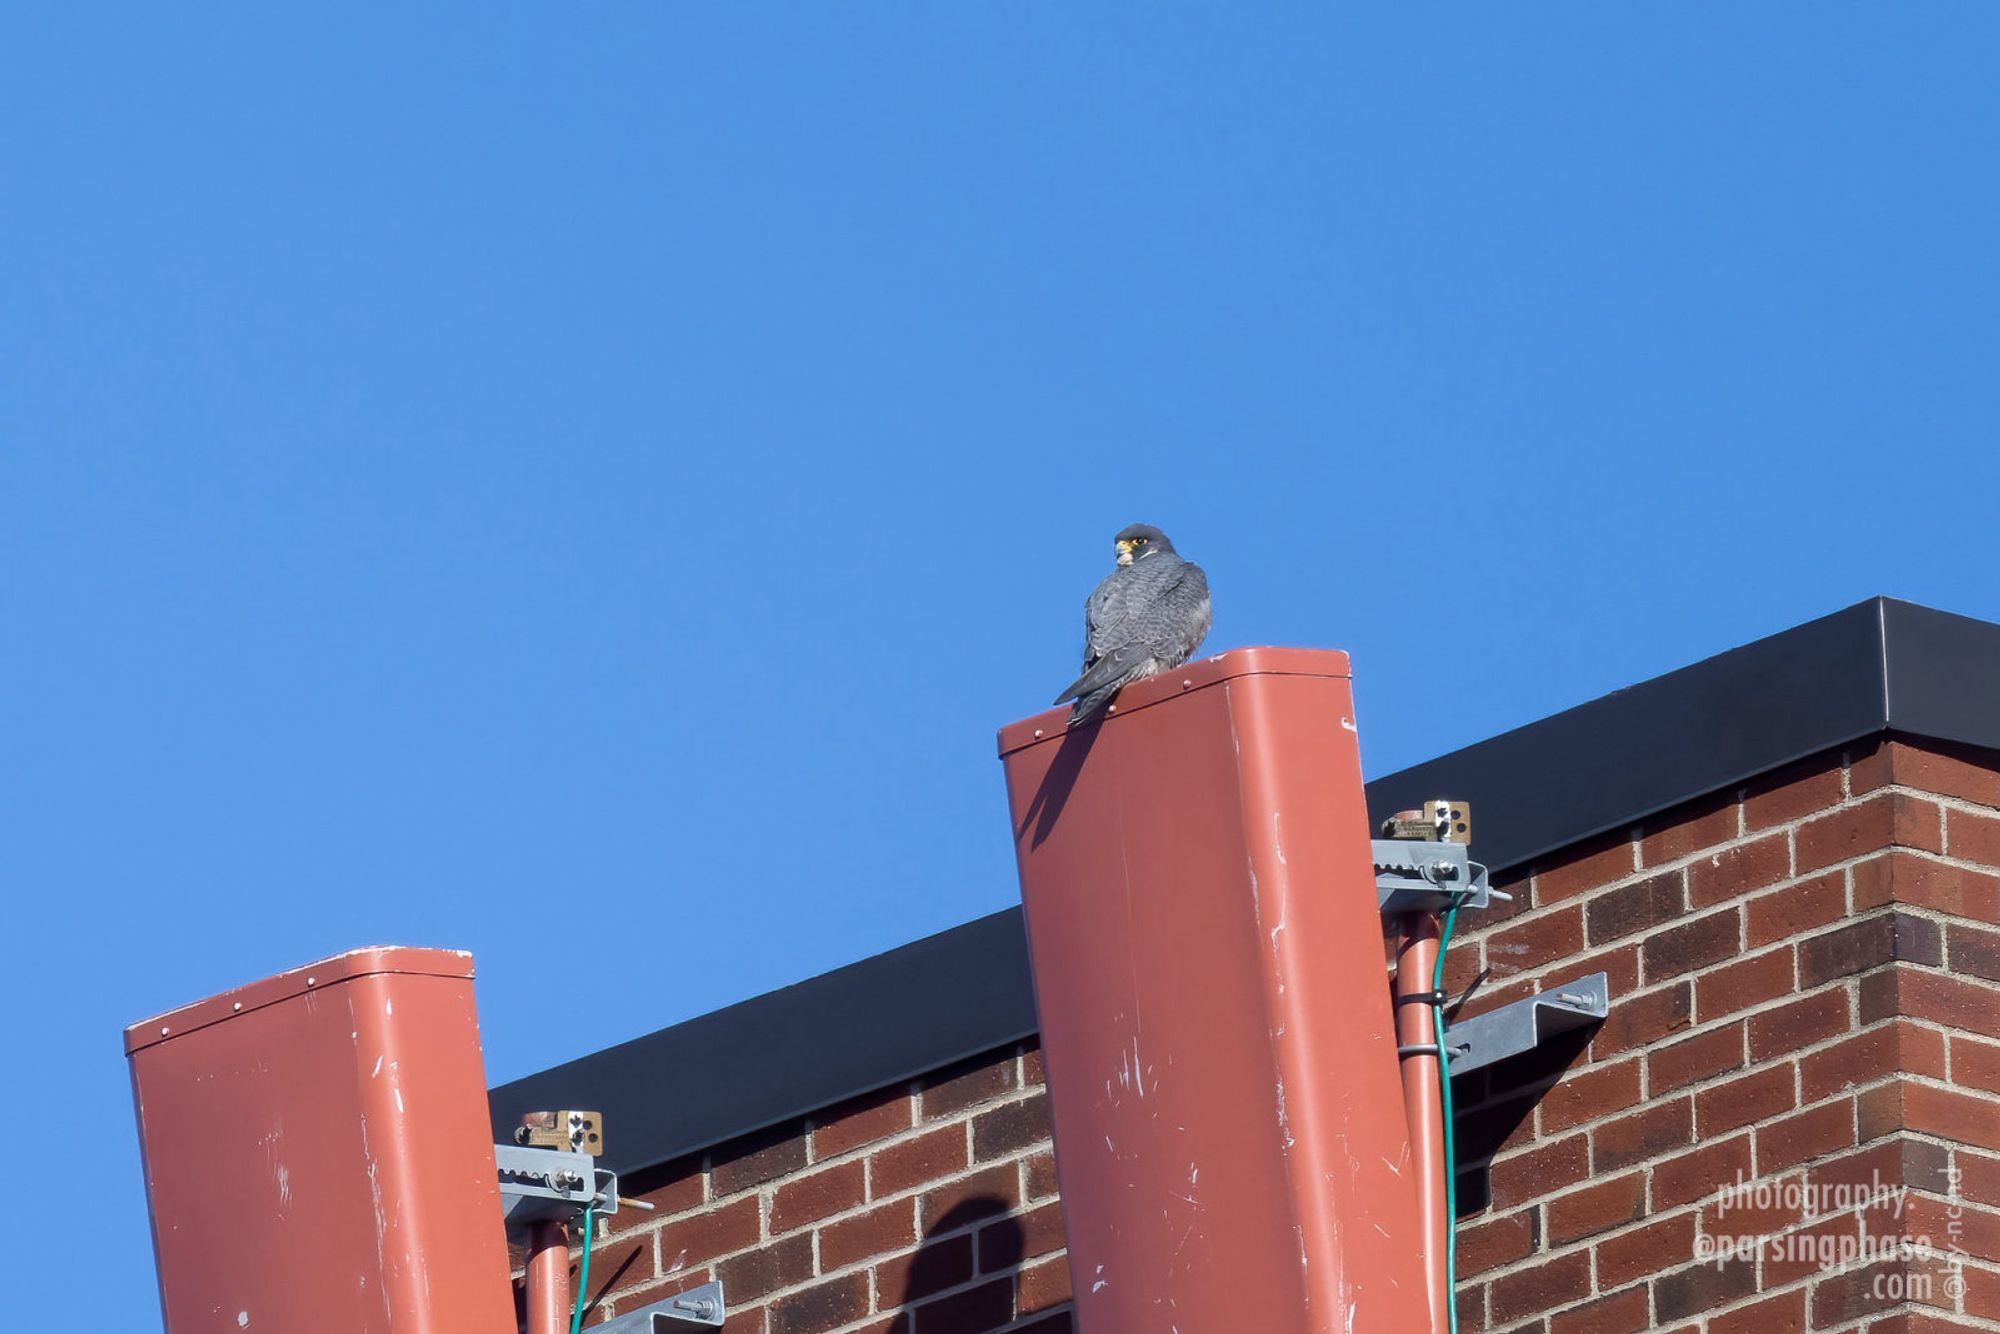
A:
x: 961, y: 1280
x: 1492, y: 1105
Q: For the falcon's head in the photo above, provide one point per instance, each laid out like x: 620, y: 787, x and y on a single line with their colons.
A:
x: 1141, y: 540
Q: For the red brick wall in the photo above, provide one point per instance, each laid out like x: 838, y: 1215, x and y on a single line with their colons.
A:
x: 1803, y: 978
x: 927, y: 1208
x: 1805, y: 982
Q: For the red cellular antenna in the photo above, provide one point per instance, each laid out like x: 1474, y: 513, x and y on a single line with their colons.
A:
x: 318, y: 1155
x: 1216, y: 1023
x: 1248, y: 1124
x: 319, y: 1160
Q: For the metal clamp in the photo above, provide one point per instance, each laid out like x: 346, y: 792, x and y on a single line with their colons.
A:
x: 541, y: 1185
x: 696, y: 1306
x: 1416, y: 876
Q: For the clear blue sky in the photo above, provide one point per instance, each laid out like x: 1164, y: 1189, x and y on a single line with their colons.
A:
x: 457, y: 462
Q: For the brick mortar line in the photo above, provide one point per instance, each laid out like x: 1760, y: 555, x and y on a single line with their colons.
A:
x: 763, y: 1189
x: 1941, y: 859
x: 1697, y: 1028
x: 1921, y: 1193
x: 1589, y: 1243
x: 1849, y: 916
x: 1637, y: 939
x: 1692, y: 916
x: 1924, y: 910
x: 1647, y: 1166
x: 1701, y: 1318
x: 1640, y: 871
x: 661, y: 1272
x: 1847, y: 984
x: 1542, y: 1139
x: 1932, y: 1138
x: 1945, y: 1086
x: 1949, y: 802
x: 1018, y: 1323
x: 1693, y: 1207
x: 912, y: 1098
x: 1017, y: 1158
x: 870, y: 1264
x: 919, y: 1126
x: 876, y: 1310
x: 1855, y: 1025
x: 1705, y: 1027
x: 977, y: 1280
x: 969, y: 1114
x: 1017, y: 1161
x: 968, y: 1229
x: 1970, y: 1260
x: 1809, y: 1284
x: 1799, y: 1108
x: 855, y: 1325
x: 1636, y: 1056
x: 965, y: 1115
x: 1788, y: 828
x: 1846, y: 866
x: 1851, y: 1091
x: 1814, y: 1220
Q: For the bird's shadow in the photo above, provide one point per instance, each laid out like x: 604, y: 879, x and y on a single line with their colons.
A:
x: 1053, y: 792
x: 954, y: 1250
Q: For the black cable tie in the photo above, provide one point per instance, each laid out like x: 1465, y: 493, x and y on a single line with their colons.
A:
x: 1418, y: 1049
x: 1433, y: 998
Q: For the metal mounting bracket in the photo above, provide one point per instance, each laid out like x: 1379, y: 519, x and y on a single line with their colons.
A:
x: 539, y: 1185
x: 696, y: 1306
x: 1413, y: 875
x: 1526, y: 1024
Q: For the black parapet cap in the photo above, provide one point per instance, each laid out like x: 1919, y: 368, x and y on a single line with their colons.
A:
x: 1879, y: 666
x: 781, y: 1055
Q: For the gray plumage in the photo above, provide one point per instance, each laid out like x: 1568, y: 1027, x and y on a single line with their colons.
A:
x: 1148, y: 616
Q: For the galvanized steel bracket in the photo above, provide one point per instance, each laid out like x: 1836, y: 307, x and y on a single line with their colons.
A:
x: 543, y: 1185
x: 696, y: 1306
x: 1413, y: 875
x: 1526, y: 1024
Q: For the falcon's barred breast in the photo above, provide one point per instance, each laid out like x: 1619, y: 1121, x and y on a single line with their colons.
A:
x: 1149, y: 615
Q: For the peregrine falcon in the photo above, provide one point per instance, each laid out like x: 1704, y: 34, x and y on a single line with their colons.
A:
x: 1149, y: 615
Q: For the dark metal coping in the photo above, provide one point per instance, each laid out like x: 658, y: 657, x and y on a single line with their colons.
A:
x: 1881, y: 665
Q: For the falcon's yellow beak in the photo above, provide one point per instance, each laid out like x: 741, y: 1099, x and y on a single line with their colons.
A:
x: 1124, y: 552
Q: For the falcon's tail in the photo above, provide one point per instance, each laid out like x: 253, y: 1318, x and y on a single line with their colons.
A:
x: 1089, y: 705
x: 1094, y: 689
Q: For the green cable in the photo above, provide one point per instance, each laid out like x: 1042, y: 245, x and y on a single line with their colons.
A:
x: 583, y: 1274
x: 1450, y: 1146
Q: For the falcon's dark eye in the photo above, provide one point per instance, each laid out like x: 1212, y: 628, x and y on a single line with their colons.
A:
x: 1138, y: 541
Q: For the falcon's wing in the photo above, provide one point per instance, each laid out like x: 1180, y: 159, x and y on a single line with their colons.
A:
x: 1176, y: 622
x: 1111, y: 670
x: 1132, y: 606
x: 1103, y: 612
x: 1158, y: 613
